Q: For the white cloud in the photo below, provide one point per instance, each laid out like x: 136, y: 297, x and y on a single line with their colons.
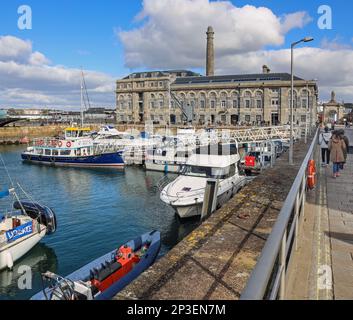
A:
x: 332, y: 68
x: 171, y: 34
x: 295, y: 20
x: 173, y: 31
x: 27, y: 78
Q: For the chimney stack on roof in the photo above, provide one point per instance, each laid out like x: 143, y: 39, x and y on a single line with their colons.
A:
x: 210, y: 52
x: 266, y: 69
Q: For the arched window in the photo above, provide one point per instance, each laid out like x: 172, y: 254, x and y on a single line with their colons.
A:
x: 304, y: 97
x: 202, y: 101
x: 224, y: 99
x: 213, y: 100
x: 247, y: 99
x: 259, y: 100
x: 235, y: 100
x: 192, y: 100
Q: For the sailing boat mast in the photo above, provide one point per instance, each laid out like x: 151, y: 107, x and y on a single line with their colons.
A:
x: 81, y: 98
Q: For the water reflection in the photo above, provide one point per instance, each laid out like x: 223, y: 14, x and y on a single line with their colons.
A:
x: 97, y: 211
x: 40, y: 259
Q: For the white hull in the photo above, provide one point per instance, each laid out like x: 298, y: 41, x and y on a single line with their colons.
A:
x: 12, y: 252
x: 193, y: 210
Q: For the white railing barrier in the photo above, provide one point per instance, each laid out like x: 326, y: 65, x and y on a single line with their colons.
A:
x: 268, y: 279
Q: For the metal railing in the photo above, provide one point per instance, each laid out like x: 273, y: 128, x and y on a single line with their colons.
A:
x: 268, y: 279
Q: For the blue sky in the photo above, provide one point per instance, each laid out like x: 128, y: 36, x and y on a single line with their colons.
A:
x: 100, y: 36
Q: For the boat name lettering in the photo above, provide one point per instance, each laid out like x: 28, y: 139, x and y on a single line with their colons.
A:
x: 19, y: 232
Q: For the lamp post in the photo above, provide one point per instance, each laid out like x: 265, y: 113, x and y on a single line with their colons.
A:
x: 307, y: 39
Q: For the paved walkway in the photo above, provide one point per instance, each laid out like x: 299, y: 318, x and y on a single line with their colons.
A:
x: 323, y: 265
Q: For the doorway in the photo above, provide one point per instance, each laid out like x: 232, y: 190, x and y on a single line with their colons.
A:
x: 275, y: 119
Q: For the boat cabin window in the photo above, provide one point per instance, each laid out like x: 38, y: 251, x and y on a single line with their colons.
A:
x: 55, y: 152
x: 207, y: 172
x: 47, y: 152
x: 65, y: 152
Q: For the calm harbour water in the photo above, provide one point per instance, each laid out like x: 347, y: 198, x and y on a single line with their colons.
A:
x: 97, y: 211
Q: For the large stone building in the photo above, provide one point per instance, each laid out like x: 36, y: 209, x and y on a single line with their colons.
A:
x: 253, y: 99
x: 333, y: 111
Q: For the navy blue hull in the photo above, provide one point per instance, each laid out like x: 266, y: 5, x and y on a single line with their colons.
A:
x: 146, y: 261
x: 104, y: 160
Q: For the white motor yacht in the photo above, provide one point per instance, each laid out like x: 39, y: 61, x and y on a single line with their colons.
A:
x: 186, y: 193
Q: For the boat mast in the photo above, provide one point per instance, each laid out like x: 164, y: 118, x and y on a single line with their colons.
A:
x: 81, y: 98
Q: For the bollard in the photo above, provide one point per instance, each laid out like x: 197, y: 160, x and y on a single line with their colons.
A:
x: 210, y: 198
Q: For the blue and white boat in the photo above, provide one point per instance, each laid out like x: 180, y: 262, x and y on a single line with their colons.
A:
x: 103, y: 278
x: 22, y: 228
x: 75, y: 149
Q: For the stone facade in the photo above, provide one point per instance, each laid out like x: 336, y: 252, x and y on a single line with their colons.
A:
x: 333, y: 110
x: 252, y: 99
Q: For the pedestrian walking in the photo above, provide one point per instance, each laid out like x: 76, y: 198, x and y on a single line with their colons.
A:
x: 336, y: 147
x: 343, y: 136
x: 324, y: 140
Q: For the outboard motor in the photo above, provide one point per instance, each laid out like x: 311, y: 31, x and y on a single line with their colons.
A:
x: 43, y: 214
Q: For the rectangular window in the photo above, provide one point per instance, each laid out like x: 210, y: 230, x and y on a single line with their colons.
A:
x: 303, y: 119
x: 224, y: 119
x: 152, y: 104
x: 258, y: 118
x: 203, y: 104
x: 259, y: 104
x: 235, y: 104
x: 161, y: 103
x: 247, y: 118
x: 47, y: 152
x: 213, y: 104
x: 152, y: 117
x: 304, y: 103
x: 275, y: 102
x: 247, y: 103
x: 223, y: 103
x: 172, y: 105
x: 130, y: 105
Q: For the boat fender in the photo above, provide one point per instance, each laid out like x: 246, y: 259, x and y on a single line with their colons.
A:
x: 9, y: 260
x: 68, y: 144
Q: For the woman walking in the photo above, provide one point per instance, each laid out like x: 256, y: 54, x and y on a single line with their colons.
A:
x: 346, y: 142
x: 337, y: 148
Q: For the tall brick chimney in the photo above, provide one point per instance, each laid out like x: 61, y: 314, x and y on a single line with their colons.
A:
x: 210, y: 52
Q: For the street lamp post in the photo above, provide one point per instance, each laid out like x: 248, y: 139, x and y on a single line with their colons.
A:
x: 307, y: 39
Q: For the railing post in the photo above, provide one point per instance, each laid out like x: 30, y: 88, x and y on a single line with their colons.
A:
x: 296, y: 220
x: 282, y: 266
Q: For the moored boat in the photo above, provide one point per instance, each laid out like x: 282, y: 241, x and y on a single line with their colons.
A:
x: 186, y: 193
x: 23, y: 228
x: 103, y: 278
x: 75, y: 149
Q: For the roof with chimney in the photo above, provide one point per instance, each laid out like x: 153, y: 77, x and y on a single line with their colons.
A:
x: 260, y: 77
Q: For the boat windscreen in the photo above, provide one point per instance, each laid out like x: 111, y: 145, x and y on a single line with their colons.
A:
x: 208, y: 172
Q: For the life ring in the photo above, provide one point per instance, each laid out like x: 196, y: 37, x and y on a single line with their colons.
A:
x: 311, y: 181
x: 60, y: 144
x: 68, y: 144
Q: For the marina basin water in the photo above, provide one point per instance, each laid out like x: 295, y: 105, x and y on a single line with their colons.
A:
x: 97, y: 211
